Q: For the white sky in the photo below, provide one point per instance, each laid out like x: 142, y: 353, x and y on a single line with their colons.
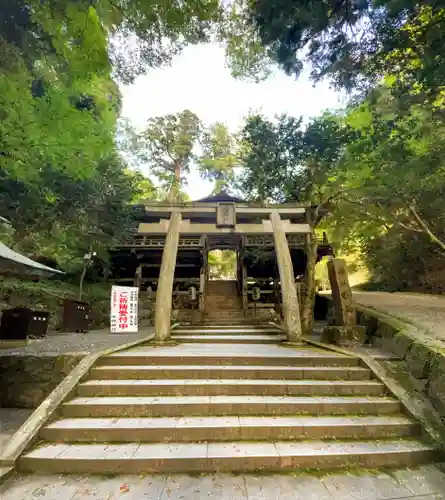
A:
x: 199, y: 80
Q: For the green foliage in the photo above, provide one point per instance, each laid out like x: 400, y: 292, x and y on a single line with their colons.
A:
x: 354, y: 43
x: 132, y: 36
x: 63, y: 185
x: 222, y: 264
x: 145, y: 35
x: 377, y: 168
x: 283, y: 161
x: 247, y: 56
x: 269, y: 154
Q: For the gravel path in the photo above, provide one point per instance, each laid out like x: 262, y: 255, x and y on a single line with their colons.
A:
x: 423, y: 310
x: 75, y: 343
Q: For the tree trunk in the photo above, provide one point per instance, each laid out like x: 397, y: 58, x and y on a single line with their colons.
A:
x: 433, y: 238
x: 82, y: 277
x: 173, y: 194
x: 307, y: 314
x: 106, y: 271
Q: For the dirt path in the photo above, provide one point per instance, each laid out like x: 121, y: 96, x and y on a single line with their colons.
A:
x: 425, y: 311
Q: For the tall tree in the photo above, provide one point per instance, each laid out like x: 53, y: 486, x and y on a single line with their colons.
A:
x: 269, y: 154
x: 167, y: 147
x: 283, y: 161
x: 219, y: 156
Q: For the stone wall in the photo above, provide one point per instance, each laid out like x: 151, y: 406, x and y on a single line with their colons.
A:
x: 424, y: 357
x: 27, y: 380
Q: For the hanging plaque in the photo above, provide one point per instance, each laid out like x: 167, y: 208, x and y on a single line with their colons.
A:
x: 225, y: 215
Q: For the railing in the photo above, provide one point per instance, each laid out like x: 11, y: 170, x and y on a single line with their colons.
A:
x: 146, y: 241
x: 249, y: 240
x: 266, y: 240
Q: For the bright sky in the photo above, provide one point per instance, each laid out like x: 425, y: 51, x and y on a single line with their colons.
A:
x: 199, y: 80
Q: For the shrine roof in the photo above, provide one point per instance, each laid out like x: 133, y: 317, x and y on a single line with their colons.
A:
x: 220, y: 198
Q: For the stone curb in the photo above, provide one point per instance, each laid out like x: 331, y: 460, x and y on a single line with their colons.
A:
x: 28, y: 432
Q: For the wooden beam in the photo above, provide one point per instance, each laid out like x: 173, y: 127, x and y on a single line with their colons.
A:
x: 187, y: 227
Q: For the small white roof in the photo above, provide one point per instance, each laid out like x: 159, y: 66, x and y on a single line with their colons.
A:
x: 19, y: 264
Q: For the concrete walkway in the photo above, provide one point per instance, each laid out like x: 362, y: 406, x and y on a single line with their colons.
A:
x: 423, y: 483
x: 75, y: 343
x: 423, y: 310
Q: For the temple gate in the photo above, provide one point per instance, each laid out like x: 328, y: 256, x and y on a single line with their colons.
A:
x: 167, y: 258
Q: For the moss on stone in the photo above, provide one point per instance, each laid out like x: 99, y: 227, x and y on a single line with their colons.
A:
x: 418, y: 359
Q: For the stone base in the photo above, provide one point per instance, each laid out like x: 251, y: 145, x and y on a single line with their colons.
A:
x: 347, y: 336
x: 292, y: 344
x: 162, y: 343
x: 12, y: 344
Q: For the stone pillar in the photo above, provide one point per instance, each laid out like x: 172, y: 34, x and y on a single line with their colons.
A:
x: 345, y: 332
x: 164, y: 293
x: 341, y: 293
x: 291, y: 307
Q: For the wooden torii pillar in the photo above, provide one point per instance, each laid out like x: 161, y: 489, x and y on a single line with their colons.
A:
x: 164, y: 292
x: 291, y: 307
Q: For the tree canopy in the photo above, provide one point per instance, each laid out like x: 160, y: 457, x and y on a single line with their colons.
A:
x: 376, y: 166
x: 354, y: 44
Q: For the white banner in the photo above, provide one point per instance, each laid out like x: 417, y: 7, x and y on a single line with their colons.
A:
x: 124, y: 309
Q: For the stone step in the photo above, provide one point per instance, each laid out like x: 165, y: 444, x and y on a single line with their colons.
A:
x: 220, y: 309
x: 217, y: 310
x: 229, y: 321
x: 222, y: 306
x: 226, y: 331
x: 217, y: 313
x: 137, y: 458
x: 127, y: 372
x: 236, y: 326
x: 230, y: 339
x: 230, y: 387
x: 152, y: 356
x: 186, y: 406
x: 186, y: 429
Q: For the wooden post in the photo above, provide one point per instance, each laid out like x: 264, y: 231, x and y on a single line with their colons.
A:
x: 291, y: 308
x: 138, y: 276
x: 164, y: 293
x: 203, y: 282
x: 245, y: 296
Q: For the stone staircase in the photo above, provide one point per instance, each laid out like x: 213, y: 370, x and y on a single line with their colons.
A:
x: 223, y: 304
x: 214, y: 406
x: 218, y: 334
